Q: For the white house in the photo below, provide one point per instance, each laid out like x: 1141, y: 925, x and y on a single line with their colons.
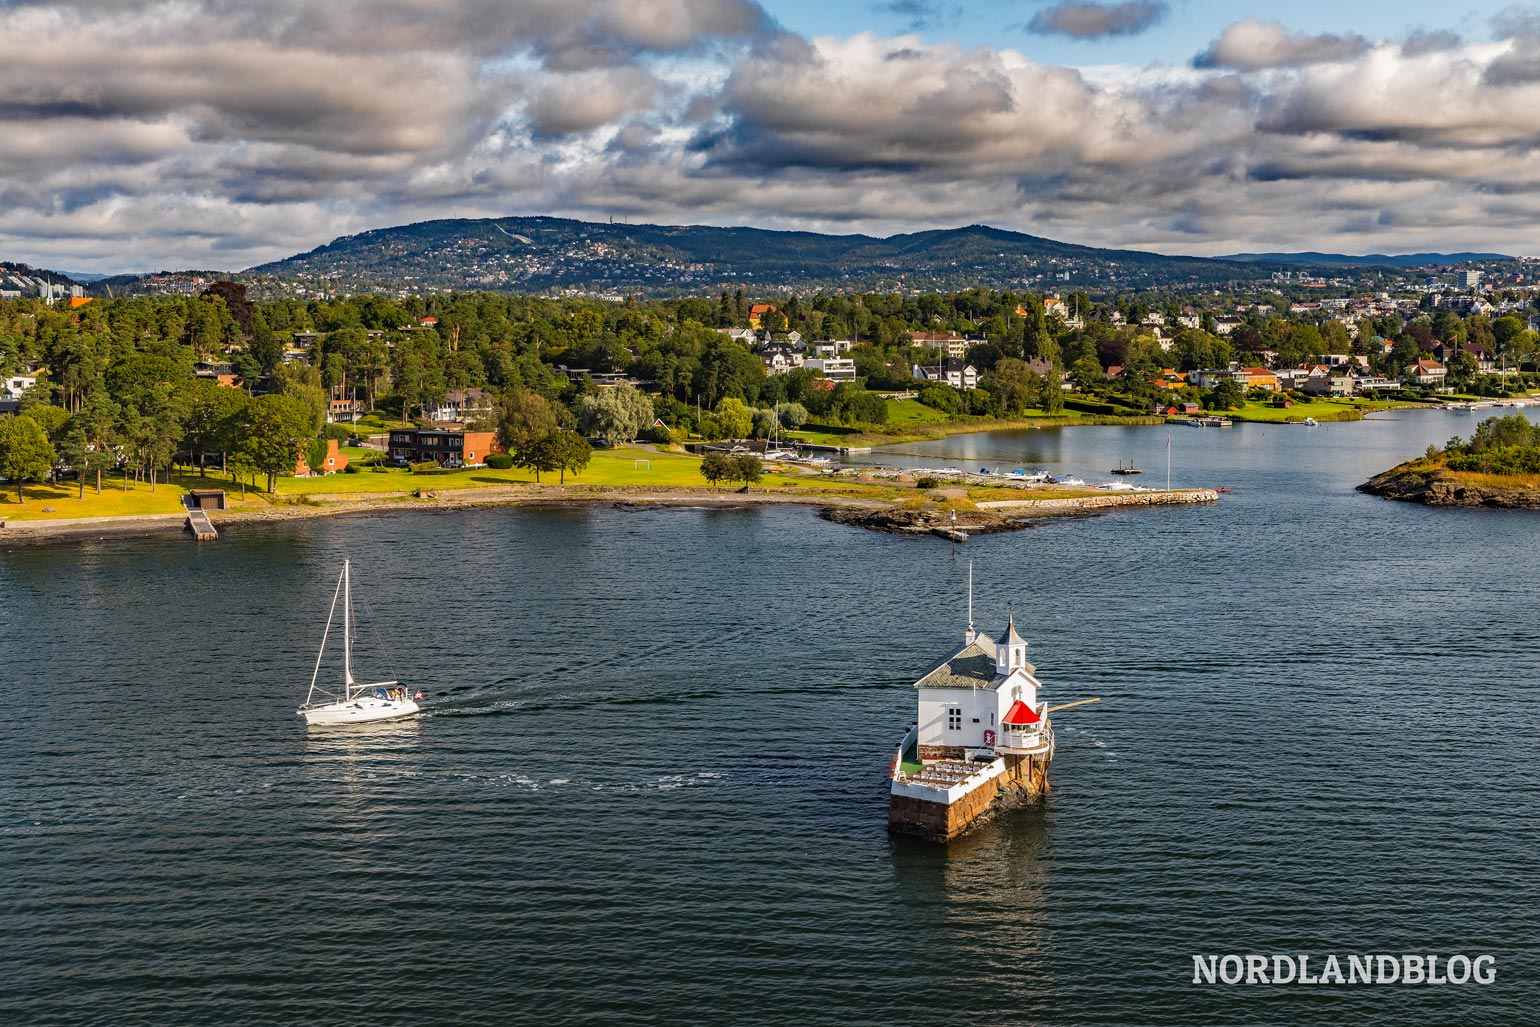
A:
x: 780, y: 358
x: 462, y: 405
x: 16, y: 385
x: 959, y: 374
x: 982, y: 699
x: 1427, y: 372
x: 945, y: 344
x: 836, y: 369
x: 831, y: 347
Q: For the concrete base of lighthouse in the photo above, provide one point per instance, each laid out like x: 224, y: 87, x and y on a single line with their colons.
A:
x: 928, y: 806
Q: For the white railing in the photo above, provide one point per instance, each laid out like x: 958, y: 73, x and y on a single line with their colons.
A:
x: 896, y: 772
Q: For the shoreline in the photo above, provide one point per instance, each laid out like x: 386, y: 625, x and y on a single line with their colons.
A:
x: 870, y: 512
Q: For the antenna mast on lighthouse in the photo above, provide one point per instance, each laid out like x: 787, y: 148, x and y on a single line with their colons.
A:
x: 972, y: 634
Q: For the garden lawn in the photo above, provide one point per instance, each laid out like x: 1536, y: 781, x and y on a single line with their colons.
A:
x: 911, y: 411
x: 58, y: 502
x: 607, y: 467
x: 1320, y: 409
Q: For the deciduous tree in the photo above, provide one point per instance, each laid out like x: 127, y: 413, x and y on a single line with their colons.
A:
x: 25, y: 452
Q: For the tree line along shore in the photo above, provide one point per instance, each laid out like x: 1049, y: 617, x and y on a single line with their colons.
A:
x: 1498, y: 466
x: 114, y: 406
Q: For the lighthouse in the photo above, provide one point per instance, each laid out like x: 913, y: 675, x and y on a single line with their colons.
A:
x: 981, y: 740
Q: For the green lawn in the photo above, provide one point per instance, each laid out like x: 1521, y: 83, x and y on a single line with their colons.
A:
x: 821, y: 435
x: 1320, y: 409
x: 59, y: 502
x: 608, y: 467
x: 911, y: 411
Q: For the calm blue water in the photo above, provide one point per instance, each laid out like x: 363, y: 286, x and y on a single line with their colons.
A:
x: 650, y: 790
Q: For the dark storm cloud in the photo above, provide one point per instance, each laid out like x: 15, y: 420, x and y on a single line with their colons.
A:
x: 1253, y: 45
x: 1087, y: 20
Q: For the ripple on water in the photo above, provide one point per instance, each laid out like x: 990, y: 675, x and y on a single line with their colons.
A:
x: 647, y: 788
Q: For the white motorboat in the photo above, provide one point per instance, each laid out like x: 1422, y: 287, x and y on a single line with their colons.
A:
x: 1071, y: 480
x: 356, y: 703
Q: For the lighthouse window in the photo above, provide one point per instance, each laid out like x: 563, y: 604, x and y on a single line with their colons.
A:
x: 954, y: 719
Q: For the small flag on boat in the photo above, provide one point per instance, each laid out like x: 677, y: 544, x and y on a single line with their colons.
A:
x: 419, y: 695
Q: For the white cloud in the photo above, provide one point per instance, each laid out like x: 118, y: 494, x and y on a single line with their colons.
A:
x: 224, y: 133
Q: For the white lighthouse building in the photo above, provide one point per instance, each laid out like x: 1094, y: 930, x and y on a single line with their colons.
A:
x: 981, y: 701
x: 982, y: 738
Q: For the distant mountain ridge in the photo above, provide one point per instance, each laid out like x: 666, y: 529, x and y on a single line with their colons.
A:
x: 540, y: 253
x: 1402, y: 260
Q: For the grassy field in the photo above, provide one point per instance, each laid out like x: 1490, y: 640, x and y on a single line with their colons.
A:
x: 608, y: 467
x: 1320, y: 409
x: 59, y: 502
x: 912, y: 411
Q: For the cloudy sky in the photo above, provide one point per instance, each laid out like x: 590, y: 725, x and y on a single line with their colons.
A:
x: 137, y: 134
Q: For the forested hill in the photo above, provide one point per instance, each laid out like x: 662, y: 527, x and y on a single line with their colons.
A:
x: 526, y: 254
x: 1400, y: 260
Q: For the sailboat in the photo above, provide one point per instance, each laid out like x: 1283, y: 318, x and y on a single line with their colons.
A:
x: 357, y: 703
x: 773, y: 448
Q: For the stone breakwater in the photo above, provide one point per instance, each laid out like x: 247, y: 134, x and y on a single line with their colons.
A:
x: 1001, y: 515
x: 1437, y: 486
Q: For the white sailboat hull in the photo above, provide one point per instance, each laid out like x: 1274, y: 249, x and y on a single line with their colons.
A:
x: 363, y: 709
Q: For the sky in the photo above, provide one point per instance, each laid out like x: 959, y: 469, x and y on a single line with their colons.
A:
x: 218, y: 134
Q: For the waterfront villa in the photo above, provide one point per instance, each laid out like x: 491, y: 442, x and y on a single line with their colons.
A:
x: 957, y: 373
x: 1427, y: 372
x: 454, y: 448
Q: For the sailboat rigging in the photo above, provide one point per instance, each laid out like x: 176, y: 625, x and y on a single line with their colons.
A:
x: 357, y: 703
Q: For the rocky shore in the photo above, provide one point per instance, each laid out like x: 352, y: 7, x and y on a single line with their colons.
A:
x: 1436, y: 485
x: 876, y: 513
x: 1007, y: 515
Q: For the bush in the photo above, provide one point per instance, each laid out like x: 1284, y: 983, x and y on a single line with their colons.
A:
x: 424, y: 467
x: 500, y: 461
x: 379, y: 468
x: 340, y: 432
x: 929, y: 481
x: 715, y: 467
x: 1088, y: 406
x: 350, y: 469
x: 941, y: 397
x: 747, y: 468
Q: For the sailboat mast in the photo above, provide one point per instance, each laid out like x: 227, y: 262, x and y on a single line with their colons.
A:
x: 331, y: 613
x: 347, y: 623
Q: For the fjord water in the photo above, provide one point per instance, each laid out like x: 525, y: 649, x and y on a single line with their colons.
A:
x: 651, y: 785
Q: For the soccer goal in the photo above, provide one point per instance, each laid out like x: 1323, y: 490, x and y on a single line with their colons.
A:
x: 644, y: 465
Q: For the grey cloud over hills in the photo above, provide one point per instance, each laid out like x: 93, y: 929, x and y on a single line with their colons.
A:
x: 218, y: 133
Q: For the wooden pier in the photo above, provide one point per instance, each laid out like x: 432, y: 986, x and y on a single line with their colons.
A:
x: 201, y: 527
